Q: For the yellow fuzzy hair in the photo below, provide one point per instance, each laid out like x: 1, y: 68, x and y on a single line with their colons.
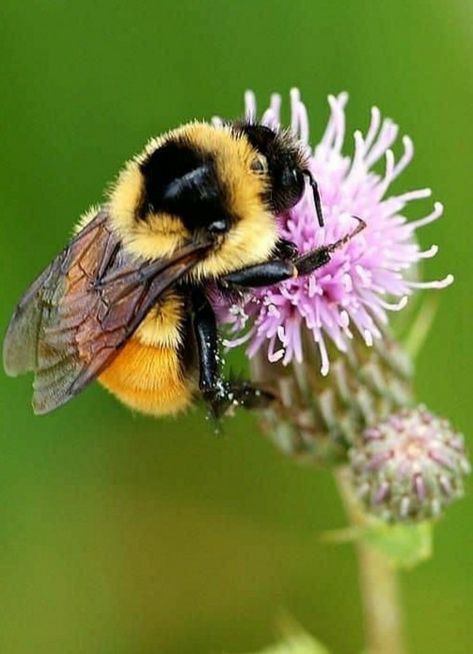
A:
x: 149, y: 379
x: 85, y: 219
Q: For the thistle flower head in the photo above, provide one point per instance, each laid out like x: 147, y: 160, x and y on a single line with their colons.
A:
x: 369, y: 276
x: 410, y: 466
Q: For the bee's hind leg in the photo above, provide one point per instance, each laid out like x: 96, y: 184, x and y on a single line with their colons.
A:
x: 219, y: 394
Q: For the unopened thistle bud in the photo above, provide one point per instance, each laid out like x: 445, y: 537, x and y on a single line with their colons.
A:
x: 409, y: 466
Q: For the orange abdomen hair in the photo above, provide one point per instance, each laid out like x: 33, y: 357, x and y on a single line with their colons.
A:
x: 148, y: 374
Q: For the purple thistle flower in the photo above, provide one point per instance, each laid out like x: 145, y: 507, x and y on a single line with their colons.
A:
x: 367, y: 278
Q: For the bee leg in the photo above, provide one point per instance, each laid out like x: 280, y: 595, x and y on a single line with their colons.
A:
x: 219, y: 393
x: 276, y: 271
x: 307, y: 263
x: 262, y: 274
x: 279, y: 270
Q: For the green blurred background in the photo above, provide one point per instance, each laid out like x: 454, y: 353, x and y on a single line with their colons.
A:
x: 124, y: 535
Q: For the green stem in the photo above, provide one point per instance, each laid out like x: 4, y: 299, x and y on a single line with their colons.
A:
x: 378, y: 582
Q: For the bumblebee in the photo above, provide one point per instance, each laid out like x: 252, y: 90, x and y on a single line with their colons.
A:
x: 126, y: 302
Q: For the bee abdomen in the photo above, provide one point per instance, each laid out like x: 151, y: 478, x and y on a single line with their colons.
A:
x: 149, y: 379
x: 148, y: 374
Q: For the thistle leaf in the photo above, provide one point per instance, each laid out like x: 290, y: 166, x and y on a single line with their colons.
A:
x: 405, y: 545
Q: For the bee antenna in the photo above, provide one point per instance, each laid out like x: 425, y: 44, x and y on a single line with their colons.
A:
x: 315, y: 191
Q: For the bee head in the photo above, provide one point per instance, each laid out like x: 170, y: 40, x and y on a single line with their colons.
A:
x: 280, y: 157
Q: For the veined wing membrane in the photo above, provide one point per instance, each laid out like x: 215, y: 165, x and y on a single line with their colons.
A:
x: 80, y: 311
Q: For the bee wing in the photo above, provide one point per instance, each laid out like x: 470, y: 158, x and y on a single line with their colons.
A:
x: 74, y: 318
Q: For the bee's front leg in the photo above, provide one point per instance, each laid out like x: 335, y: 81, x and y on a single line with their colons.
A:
x: 281, y: 268
x: 277, y: 270
x: 219, y: 393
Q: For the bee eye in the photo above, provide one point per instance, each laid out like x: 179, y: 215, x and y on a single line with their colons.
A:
x: 259, y: 164
x: 293, y: 180
x: 298, y: 182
